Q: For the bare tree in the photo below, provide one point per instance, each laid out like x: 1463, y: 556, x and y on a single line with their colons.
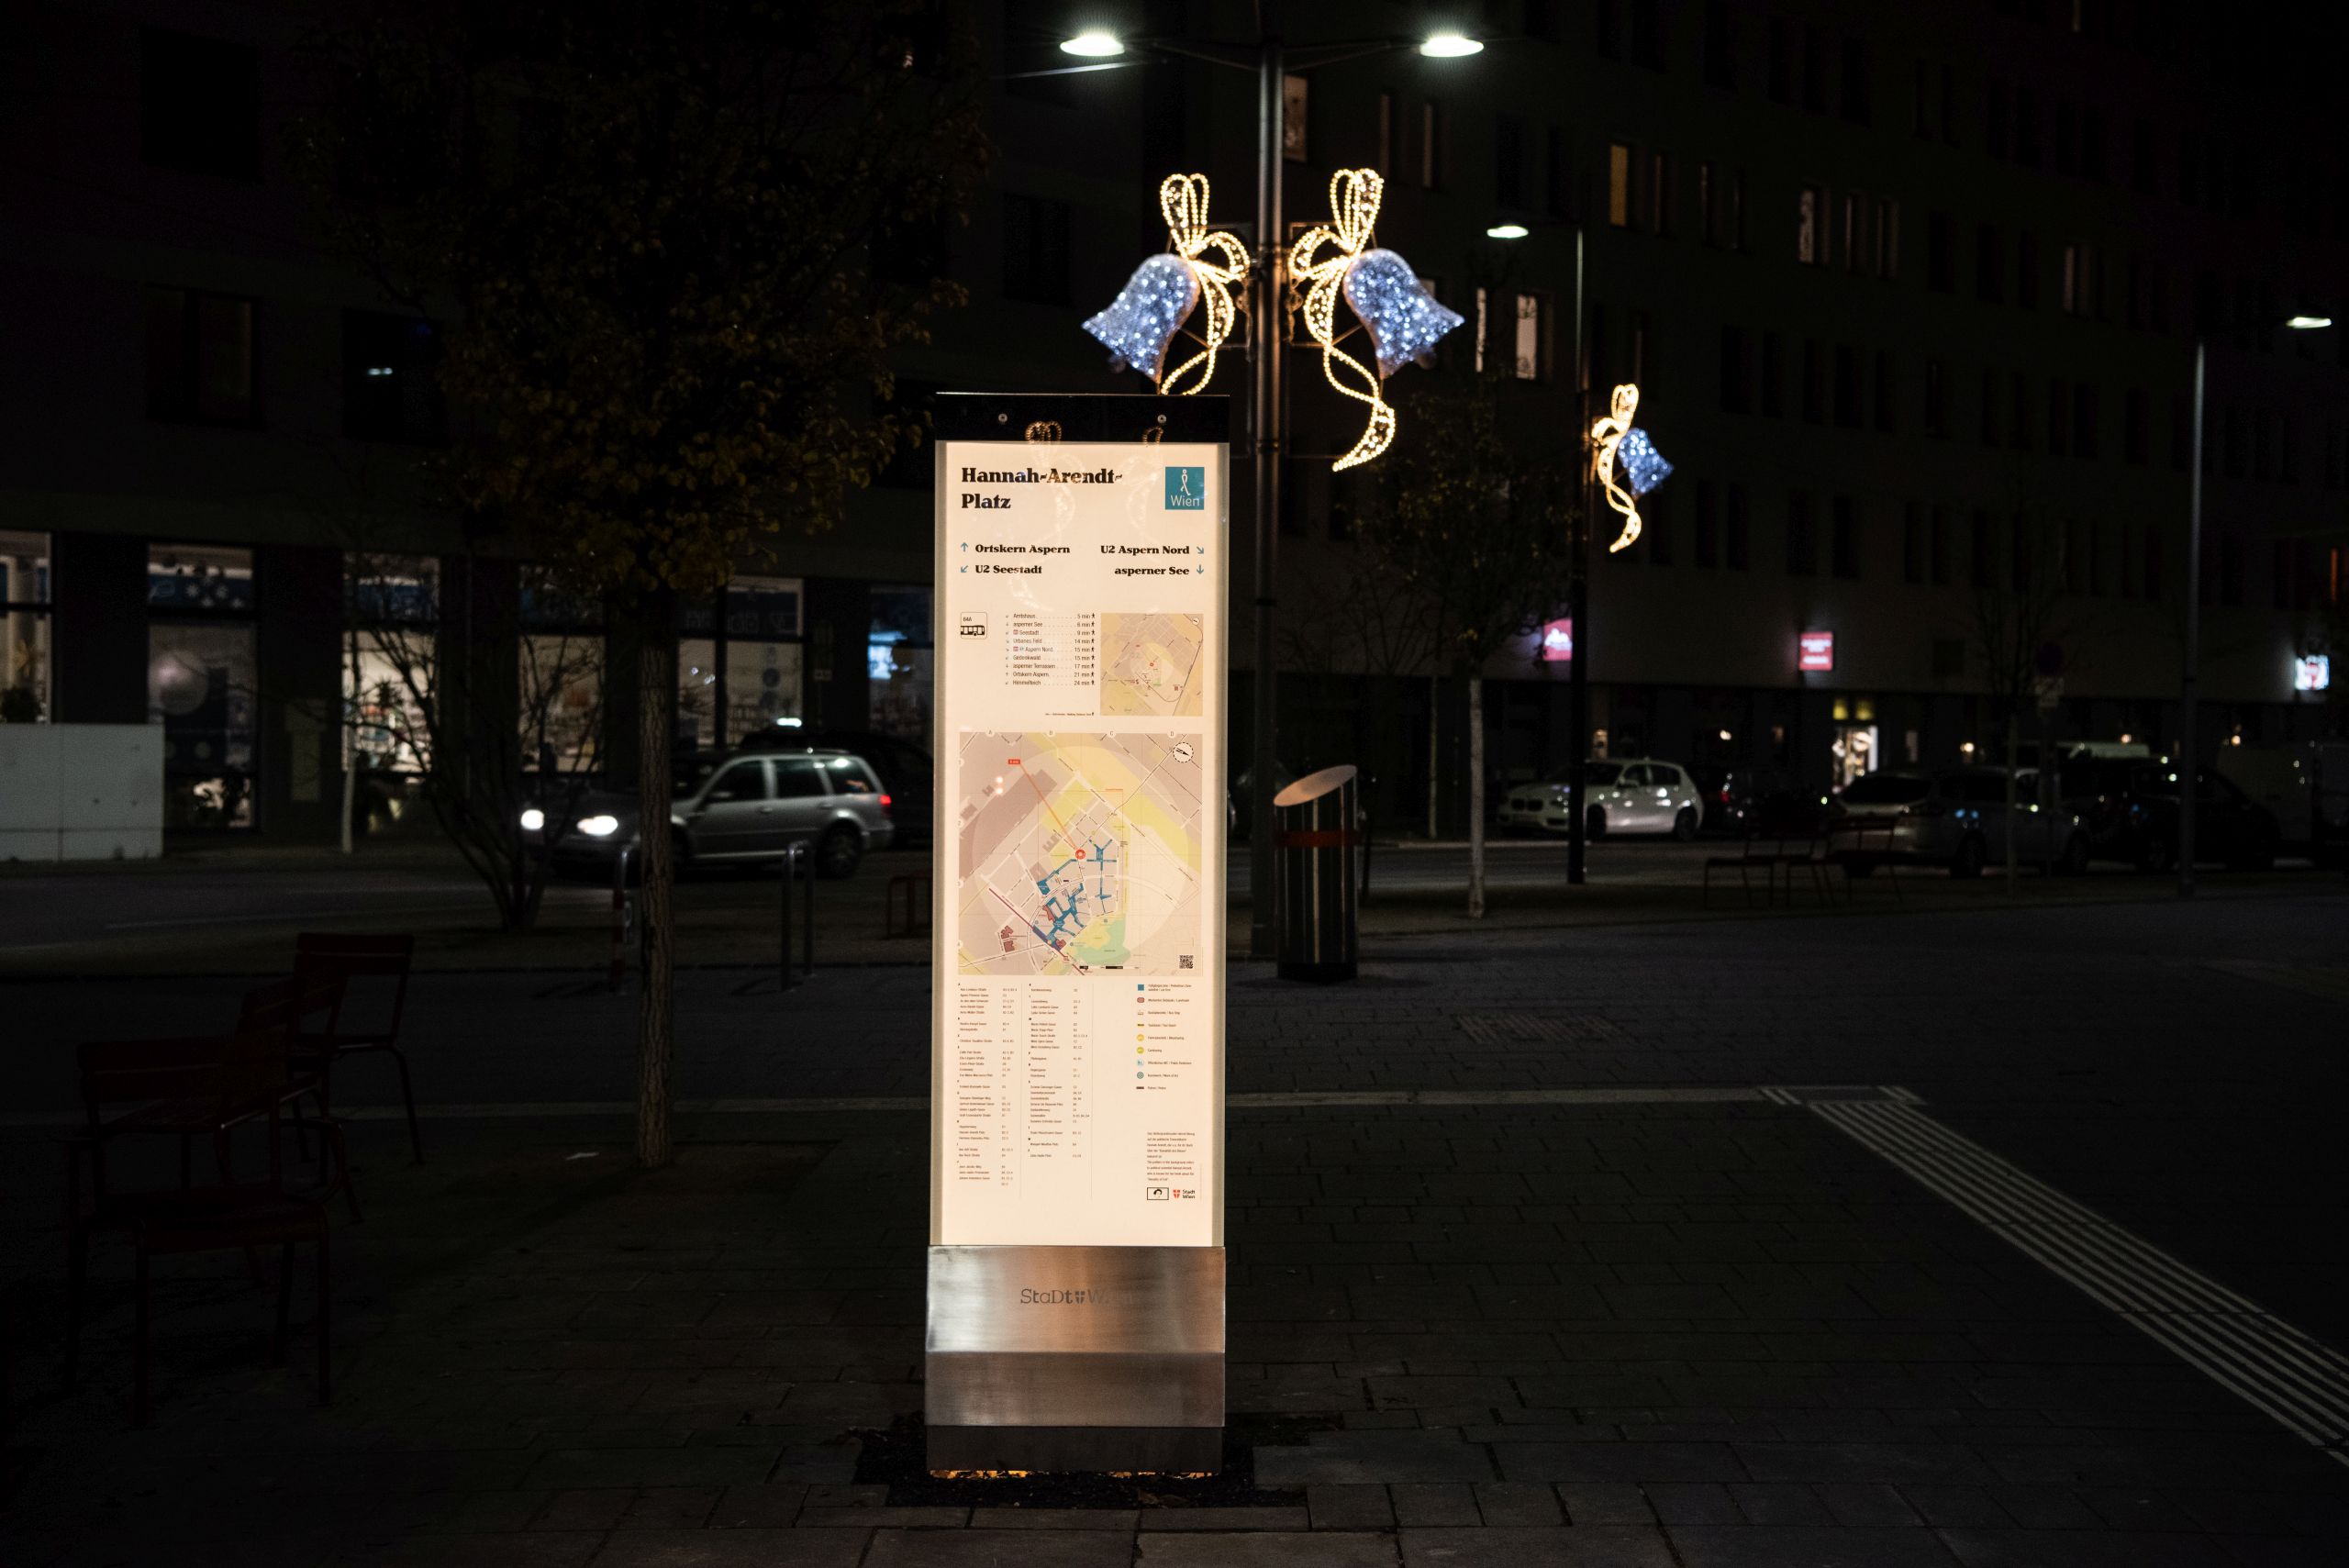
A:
x: 2020, y: 633
x: 1474, y: 523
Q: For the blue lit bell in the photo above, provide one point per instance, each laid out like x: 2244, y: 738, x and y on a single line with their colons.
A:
x: 1147, y: 313
x: 1642, y: 465
x: 1404, y: 320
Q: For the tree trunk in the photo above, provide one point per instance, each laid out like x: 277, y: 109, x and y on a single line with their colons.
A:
x: 1435, y: 691
x: 2014, y: 743
x: 1476, y: 798
x: 656, y: 1044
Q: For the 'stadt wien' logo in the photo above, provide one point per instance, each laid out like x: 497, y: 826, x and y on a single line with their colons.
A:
x: 1081, y: 1297
x: 1186, y: 489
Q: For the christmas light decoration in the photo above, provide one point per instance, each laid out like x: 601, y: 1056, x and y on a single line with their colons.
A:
x: 1614, y: 440
x: 1142, y: 322
x: 1403, y: 321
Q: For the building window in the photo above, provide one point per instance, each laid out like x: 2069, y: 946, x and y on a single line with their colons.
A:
x: 559, y: 664
x: 1990, y: 265
x: 1989, y: 406
x: 1847, y: 386
x: 1737, y: 211
x: 200, y: 358
x: 1739, y: 532
x: 1647, y: 42
x: 1386, y: 133
x: 24, y: 628
x: 2136, y: 438
x: 1843, y: 539
x: 2059, y: 418
x: 2020, y: 562
x: 1941, y: 253
x: 1912, y: 542
x: 2085, y: 414
x: 1814, y: 381
x: 1982, y: 566
x: 200, y: 682
x: 1936, y: 398
x: 1660, y: 193
x: 1297, y: 108
x: 1431, y: 145
x: 2153, y: 561
x: 1814, y: 70
x: 1856, y: 98
x: 199, y: 105
x: 1802, y: 550
x: 1811, y: 226
x: 1720, y: 47
x: 1707, y: 527
x: 1607, y: 37
x: 2027, y: 270
x: 1736, y: 394
x: 1782, y: 61
x: 1035, y: 249
x: 1531, y: 320
x: 1938, y: 547
x: 1888, y: 388
x: 1618, y: 185
x: 391, y: 384
x: 1557, y: 196
x: 1774, y: 376
x: 2018, y: 430
x: 1508, y: 161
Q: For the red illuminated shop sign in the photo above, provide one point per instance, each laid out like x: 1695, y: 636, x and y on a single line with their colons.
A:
x: 1815, y: 650
x: 1557, y: 641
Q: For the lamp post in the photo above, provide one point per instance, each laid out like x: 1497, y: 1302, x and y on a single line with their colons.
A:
x: 1578, y: 589
x: 1270, y: 60
x: 2188, y: 772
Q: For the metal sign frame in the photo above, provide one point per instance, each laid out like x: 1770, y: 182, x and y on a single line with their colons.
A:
x: 1074, y: 1322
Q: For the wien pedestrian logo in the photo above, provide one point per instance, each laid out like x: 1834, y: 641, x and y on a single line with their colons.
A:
x: 1186, y: 489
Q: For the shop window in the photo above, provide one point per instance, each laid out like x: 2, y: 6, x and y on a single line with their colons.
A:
x: 200, y: 689
x: 740, y: 668
x: 391, y: 386
x: 197, y: 579
x: 900, y: 663
x: 559, y: 675
x: 200, y: 358
x: 390, y: 663
x: 24, y: 628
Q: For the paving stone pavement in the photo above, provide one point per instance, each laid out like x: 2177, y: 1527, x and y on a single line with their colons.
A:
x: 1653, y: 1331
x: 1693, y: 1334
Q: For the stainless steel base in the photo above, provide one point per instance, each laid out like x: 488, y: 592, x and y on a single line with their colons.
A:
x: 1029, y: 1348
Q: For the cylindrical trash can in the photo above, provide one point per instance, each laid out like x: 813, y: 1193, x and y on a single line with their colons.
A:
x: 1315, y: 834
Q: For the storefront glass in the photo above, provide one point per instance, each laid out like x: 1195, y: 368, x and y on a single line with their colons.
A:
x: 899, y: 662
x: 559, y: 694
x: 741, y: 670
x: 24, y: 628
x: 200, y: 689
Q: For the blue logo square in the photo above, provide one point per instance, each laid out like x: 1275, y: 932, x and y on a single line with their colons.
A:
x: 1186, y: 489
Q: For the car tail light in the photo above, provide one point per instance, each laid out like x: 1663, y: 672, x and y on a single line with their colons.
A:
x: 884, y: 802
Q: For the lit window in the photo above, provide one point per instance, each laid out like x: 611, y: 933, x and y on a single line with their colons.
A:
x: 1618, y: 185
x: 24, y: 628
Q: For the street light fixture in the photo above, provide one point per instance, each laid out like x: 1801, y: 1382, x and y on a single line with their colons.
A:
x: 1506, y: 231
x: 2187, y: 767
x: 1270, y: 60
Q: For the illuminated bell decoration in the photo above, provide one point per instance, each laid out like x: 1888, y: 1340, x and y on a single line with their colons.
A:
x: 1613, y: 438
x: 1404, y: 322
x: 1403, y: 319
x: 1142, y: 320
x: 1140, y: 325
x: 1641, y: 462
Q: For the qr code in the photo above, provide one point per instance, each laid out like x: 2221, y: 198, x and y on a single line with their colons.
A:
x: 1182, y: 961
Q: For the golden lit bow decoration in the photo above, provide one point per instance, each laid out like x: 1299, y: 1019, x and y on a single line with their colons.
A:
x: 1605, y: 437
x: 1140, y: 324
x: 1182, y: 200
x: 1354, y: 205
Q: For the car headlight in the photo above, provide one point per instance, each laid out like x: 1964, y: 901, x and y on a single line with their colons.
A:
x: 533, y: 819
x: 600, y: 825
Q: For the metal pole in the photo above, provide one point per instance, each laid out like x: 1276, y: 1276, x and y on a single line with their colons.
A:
x: 1578, y: 604
x: 807, y: 915
x: 2187, y: 781
x: 1264, y: 349
x: 782, y: 963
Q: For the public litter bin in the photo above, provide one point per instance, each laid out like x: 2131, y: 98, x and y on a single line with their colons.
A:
x: 1316, y: 832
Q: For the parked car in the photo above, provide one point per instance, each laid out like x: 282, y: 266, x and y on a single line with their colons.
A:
x: 2131, y: 810
x: 1755, y: 801
x: 906, y: 772
x: 1957, y: 819
x: 1642, y: 796
x: 2304, y: 786
x: 744, y: 809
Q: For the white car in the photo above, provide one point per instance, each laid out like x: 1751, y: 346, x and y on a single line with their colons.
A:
x: 1625, y: 797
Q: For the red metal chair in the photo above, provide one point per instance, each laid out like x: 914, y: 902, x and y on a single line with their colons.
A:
x: 187, y: 1088
x: 323, y: 956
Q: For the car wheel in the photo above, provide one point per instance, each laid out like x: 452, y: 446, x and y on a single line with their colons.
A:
x: 1970, y: 858
x: 2075, y: 857
x: 2157, y: 854
x: 1594, y: 823
x: 837, y: 852
x: 1683, y: 827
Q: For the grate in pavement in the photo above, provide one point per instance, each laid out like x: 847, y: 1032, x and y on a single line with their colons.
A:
x: 1540, y: 1028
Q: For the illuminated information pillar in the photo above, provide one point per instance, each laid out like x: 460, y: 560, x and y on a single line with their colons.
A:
x: 1077, y: 1261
